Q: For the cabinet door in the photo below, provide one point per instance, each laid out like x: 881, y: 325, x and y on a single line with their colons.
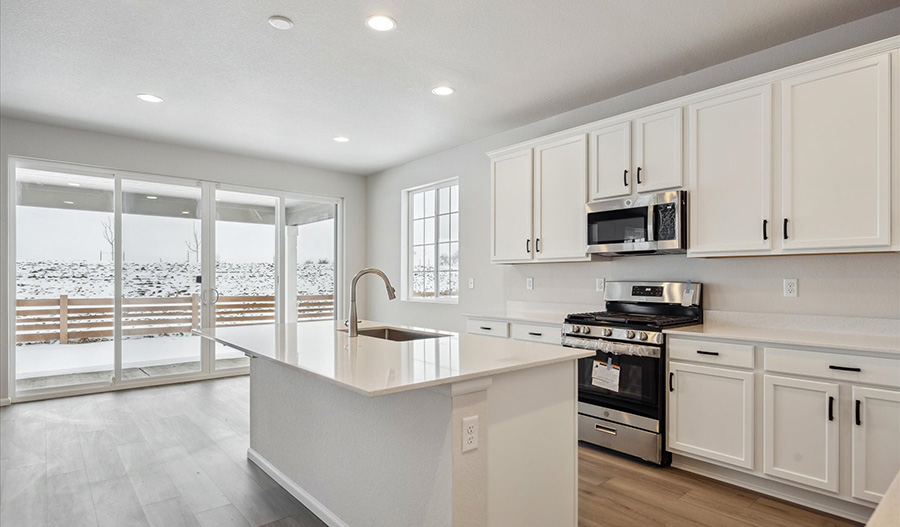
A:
x: 730, y: 171
x: 658, y: 151
x: 560, y: 197
x: 610, y: 161
x: 876, y: 441
x: 800, y: 441
x: 511, y: 200
x: 711, y: 413
x: 836, y: 156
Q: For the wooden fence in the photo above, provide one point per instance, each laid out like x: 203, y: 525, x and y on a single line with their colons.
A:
x: 73, y: 319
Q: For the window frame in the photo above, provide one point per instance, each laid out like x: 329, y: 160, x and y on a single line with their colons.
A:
x: 407, y: 242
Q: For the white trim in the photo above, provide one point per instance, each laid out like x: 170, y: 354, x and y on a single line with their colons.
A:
x: 888, y: 44
x: 5, y: 401
x: 304, y: 497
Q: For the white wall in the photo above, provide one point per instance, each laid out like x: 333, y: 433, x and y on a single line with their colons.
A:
x: 28, y: 139
x: 847, y: 285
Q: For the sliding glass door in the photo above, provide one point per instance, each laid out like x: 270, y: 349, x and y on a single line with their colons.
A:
x: 114, y: 271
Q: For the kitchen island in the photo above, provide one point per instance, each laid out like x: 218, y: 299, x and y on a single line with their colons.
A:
x: 367, y: 431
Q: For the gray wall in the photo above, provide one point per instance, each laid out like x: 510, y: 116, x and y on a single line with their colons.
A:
x: 55, y: 143
x: 848, y: 285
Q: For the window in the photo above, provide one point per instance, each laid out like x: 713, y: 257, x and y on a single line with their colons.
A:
x: 432, y: 246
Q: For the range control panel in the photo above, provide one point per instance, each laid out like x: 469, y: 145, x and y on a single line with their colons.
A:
x: 647, y: 290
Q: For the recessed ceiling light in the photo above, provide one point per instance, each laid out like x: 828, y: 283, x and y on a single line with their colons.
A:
x: 147, y: 97
x: 443, y: 90
x: 280, y: 22
x: 151, y: 197
x: 74, y: 184
x: 381, y: 23
x: 69, y: 202
x: 341, y: 139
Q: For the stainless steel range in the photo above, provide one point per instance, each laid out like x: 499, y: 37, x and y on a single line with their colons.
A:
x: 621, y: 393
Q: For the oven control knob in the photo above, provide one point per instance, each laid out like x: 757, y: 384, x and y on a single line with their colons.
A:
x: 576, y: 329
x: 629, y: 334
x: 585, y: 330
x: 607, y: 332
x: 642, y: 335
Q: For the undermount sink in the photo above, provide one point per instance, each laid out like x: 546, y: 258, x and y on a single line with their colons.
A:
x: 397, y: 334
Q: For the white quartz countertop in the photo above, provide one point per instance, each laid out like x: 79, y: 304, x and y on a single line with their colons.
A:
x: 373, y: 366
x: 887, y: 344
x: 552, y: 319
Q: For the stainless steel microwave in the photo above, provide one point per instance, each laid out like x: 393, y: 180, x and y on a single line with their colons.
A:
x: 644, y: 224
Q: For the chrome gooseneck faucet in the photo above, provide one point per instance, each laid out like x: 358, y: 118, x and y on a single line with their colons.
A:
x: 352, y: 321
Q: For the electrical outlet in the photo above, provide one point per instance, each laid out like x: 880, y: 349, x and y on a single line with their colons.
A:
x: 471, y: 283
x: 790, y: 287
x: 529, y: 283
x: 470, y: 433
x: 601, y: 285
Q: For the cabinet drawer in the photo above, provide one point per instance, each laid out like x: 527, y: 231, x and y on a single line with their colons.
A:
x: 537, y: 333
x: 838, y: 366
x: 719, y: 353
x: 493, y: 328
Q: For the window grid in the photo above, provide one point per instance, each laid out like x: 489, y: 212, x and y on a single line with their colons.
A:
x: 434, y: 243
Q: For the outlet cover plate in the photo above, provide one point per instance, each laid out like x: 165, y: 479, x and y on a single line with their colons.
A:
x: 470, y: 433
x: 529, y: 283
x: 791, y: 287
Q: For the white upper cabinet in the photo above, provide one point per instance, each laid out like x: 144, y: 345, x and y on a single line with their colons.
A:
x: 876, y: 454
x: 658, y: 151
x: 730, y: 172
x: 511, y: 214
x: 560, y: 176
x: 836, y: 157
x: 610, y: 161
x: 800, y: 436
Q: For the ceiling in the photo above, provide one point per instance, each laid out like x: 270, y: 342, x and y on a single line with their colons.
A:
x: 231, y: 82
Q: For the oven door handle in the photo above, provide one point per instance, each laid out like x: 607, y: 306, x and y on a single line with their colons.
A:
x: 651, y: 227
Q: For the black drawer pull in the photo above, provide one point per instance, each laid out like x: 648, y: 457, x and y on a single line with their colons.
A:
x: 533, y: 334
x: 765, y: 229
x: 714, y: 353
x: 487, y: 328
x: 785, y: 229
x: 671, y: 378
x: 844, y: 368
x: 858, y: 413
x: 830, y: 408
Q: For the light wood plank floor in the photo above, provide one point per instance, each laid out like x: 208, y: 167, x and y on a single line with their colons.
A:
x: 176, y: 455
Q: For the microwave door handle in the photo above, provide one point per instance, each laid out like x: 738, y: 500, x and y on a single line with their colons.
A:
x: 651, y: 228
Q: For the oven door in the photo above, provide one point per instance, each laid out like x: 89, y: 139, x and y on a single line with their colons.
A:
x: 621, y: 226
x: 637, y: 390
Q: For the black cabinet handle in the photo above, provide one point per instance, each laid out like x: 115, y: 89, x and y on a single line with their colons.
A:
x: 639, y: 175
x: 486, y: 328
x: 785, y: 229
x: 714, y: 353
x: 844, y: 368
x: 671, y: 378
x: 858, y: 412
x: 625, y: 177
x: 533, y: 334
x: 537, y: 245
x: 528, y: 246
x: 765, y: 229
x: 830, y: 408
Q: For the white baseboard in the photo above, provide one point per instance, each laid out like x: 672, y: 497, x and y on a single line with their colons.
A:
x: 5, y: 401
x: 296, y: 491
x: 759, y: 485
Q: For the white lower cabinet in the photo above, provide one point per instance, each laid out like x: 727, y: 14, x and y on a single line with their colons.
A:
x: 711, y: 413
x: 876, y: 451
x: 800, y: 436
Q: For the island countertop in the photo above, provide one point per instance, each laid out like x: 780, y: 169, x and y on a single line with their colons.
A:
x: 373, y: 366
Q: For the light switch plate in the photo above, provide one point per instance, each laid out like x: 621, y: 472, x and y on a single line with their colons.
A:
x: 471, y: 283
x: 529, y: 283
x: 601, y: 285
x: 470, y: 433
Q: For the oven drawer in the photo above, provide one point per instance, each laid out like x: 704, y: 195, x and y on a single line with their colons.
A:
x: 537, y: 333
x: 719, y: 353
x: 493, y: 328
x: 616, y: 436
x: 836, y: 366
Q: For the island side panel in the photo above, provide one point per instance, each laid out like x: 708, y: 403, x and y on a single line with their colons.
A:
x: 533, y: 447
x: 370, y: 461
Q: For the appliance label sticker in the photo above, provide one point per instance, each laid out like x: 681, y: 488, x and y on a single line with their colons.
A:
x: 605, y: 376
